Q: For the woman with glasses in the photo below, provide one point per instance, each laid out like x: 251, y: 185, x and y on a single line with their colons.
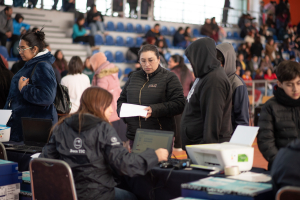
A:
x: 33, y: 88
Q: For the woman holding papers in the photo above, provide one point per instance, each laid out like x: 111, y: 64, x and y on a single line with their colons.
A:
x: 92, y: 148
x: 156, y: 88
x: 106, y: 77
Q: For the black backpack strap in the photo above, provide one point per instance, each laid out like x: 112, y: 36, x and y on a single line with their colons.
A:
x: 30, y: 79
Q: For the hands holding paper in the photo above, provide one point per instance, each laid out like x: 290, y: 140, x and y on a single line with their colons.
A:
x: 149, y: 112
x: 132, y: 110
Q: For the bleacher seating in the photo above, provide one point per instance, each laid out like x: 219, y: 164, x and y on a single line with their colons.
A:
x: 130, y: 42
x: 98, y: 40
x: 164, y: 30
x: 172, y: 31
x: 119, y: 57
x: 109, y: 40
x: 120, y: 27
x: 4, y: 53
x: 139, y: 28
x: 110, y: 26
x: 196, y: 32
x: 168, y: 43
x: 109, y: 56
x: 186, y: 60
x: 139, y: 41
x: 120, y: 73
x: 129, y: 28
x: 147, y: 28
x: 167, y: 56
x: 119, y: 41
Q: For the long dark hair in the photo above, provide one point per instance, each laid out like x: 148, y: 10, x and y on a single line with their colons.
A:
x: 80, y: 17
x: 75, y: 65
x: 94, y: 101
x: 183, y: 68
x: 58, y: 63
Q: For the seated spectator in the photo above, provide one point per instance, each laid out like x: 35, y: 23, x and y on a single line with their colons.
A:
x: 76, y: 82
x: 179, y: 39
x: 242, y: 49
x: 151, y: 40
x: 188, y: 35
x: 256, y: 48
x: 6, y: 25
x: 161, y: 49
x: 270, y: 49
x: 269, y: 75
x: 297, y: 46
x: 95, y: 20
x: 106, y: 77
x: 19, y: 28
x: 285, y: 169
x: 206, y: 28
x: 249, y: 38
x: 87, y: 69
x: 277, y: 60
x: 288, y: 46
x: 60, y: 63
x: 5, y: 80
x: 247, y: 77
x: 253, y: 65
x: 266, y: 64
x: 261, y: 86
x: 240, y: 59
x: 246, y: 28
x: 80, y: 35
x: 215, y: 29
x: 155, y: 33
x: 277, y: 121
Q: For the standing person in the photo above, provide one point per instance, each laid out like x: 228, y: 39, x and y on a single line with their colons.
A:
x: 68, y: 5
x: 5, y: 81
x: 18, y: 25
x: 60, y: 62
x: 80, y: 35
x: 176, y: 64
x: 87, y: 69
x: 206, y: 28
x: 106, y: 77
x: 102, y: 147
x: 215, y: 29
x: 225, y: 12
x: 32, y: 3
x: 240, y: 100
x: 278, y: 119
x: 6, y: 25
x: 155, y: 87
x: 207, y: 114
x: 32, y: 96
x: 76, y: 82
x: 95, y: 20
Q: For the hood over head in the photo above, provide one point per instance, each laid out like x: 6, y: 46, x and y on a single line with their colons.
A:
x: 202, y: 56
x: 88, y: 121
x: 229, y: 56
x: 97, y: 60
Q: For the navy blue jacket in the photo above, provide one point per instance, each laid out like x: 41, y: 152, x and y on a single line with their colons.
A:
x: 36, y: 99
x: 178, y: 38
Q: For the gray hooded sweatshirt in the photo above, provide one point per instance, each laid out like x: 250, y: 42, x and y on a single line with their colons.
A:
x: 240, y: 100
x: 5, y: 26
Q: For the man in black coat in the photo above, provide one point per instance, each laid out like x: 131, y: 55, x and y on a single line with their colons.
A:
x: 207, y: 114
x: 279, y: 120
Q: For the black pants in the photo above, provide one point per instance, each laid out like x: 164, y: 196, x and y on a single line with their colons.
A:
x: 54, y: 5
x: 177, y: 143
x: 89, y: 39
x: 32, y: 3
x: 3, y: 39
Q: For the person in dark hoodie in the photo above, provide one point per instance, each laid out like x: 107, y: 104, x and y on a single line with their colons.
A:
x: 100, y: 151
x: 207, y: 114
x: 279, y: 117
x: 240, y: 100
x: 285, y: 169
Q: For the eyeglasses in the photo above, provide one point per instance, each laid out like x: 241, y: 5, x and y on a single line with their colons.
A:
x: 22, y: 50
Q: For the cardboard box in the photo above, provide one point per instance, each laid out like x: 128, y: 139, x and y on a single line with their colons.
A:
x: 8, y: 167
x: 10, y: 179
x: 10, y: 192
x: 4, y: 130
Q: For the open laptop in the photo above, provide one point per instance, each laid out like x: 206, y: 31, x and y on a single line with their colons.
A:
x: 153, y: 139
x: 35, y: 135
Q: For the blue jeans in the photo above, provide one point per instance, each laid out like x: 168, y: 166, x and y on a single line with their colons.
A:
x: 95, y: 26
x: 121, y: 194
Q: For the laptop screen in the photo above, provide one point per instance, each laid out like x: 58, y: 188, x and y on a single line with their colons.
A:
x: 36, y: 131
x: 153, y: 139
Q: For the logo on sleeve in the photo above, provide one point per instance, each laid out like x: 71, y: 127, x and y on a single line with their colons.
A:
x: 114, y: 141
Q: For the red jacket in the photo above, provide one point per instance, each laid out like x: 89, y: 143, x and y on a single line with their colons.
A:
x: 272, y: 77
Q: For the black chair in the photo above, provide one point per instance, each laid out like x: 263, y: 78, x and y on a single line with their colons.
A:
x: 288, y: 193
x: 3, y: 155
x: 51, y: 179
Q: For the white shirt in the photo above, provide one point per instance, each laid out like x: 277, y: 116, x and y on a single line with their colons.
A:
x: 76, y: 84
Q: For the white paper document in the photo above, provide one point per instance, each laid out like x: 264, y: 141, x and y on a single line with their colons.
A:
x: 36, y: 155
x: 4, y: 116
x: 132, y: 110
x: 252, y: 177
x: 244, y: 135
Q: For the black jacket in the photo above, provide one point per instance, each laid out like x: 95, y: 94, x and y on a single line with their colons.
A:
x: 278, y: 124
x: 207, y: 114
x: 178, y: 38
x: 5, y: 80
x: 285, y: 169
x: 91, y: 15
x: 91, y: 154
x: 162, y: 92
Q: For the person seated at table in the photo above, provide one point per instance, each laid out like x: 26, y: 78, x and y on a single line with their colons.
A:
x: 101, y: 149
x: 285, y: 169
x: 155, y: 87
x: 278, y: 121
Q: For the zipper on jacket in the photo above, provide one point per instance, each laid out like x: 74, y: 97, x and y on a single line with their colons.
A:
x: 9, y: 103
x: 140, y: 98
x: 160, y: 127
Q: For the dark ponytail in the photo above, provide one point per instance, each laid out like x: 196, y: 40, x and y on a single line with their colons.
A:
x: 35, y: 39
x: 183, y: 68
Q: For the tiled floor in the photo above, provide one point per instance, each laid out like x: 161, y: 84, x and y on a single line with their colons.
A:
x: 259, y: 160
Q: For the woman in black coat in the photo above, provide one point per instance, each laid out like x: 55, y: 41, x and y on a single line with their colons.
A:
x: 5, y: 80
x: 155, y: 87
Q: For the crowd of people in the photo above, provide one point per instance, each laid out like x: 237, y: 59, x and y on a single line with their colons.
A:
x: 200, y: 107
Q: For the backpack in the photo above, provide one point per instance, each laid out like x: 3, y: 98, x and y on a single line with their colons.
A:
x: 62, y: 101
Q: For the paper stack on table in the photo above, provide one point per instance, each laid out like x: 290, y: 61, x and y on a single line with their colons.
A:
x: 132, y: 110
